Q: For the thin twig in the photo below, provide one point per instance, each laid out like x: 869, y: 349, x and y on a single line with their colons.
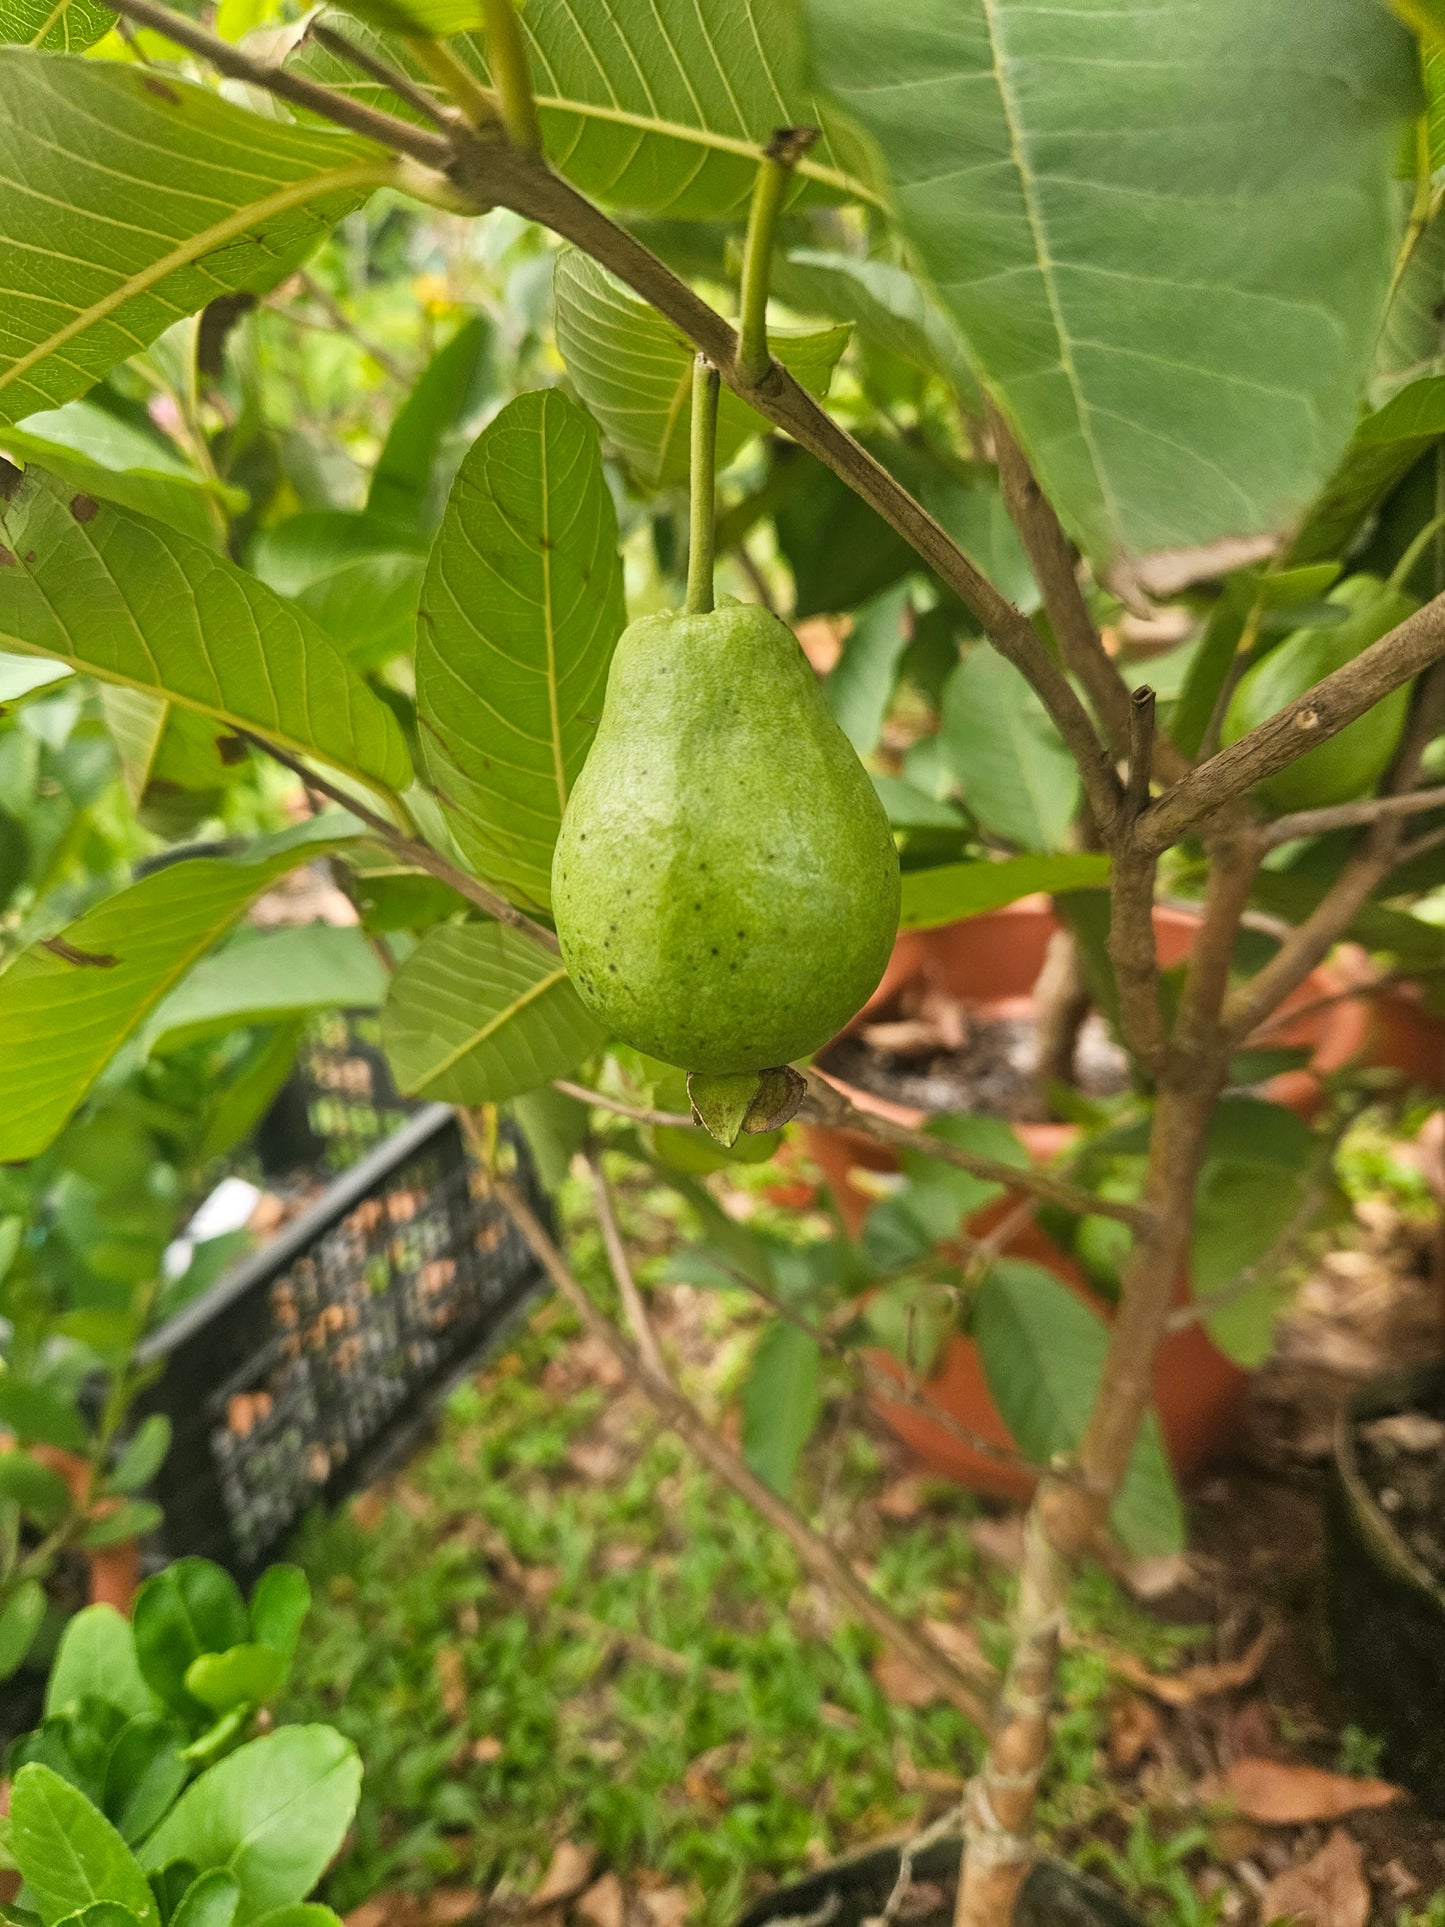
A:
x: 1348, y: 816
x: 381, y: 71
x: 421, y: 855
x: 824, y: 1104
x: 342, y: 323
x: 819, y: 1558
x: 638, y: 1322
x: 430, y: 149
x: 639, y: 1113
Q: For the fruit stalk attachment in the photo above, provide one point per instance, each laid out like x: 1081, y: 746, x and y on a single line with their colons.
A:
x: 702, y: 528
x: 782, y: 154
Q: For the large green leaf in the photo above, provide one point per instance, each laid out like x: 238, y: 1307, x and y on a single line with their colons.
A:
x: 1007, y: 758
x: 97, y: 451
x: 266, y: 977
x: 97, y: 1660
x: 520, y: 612
x: 70, y: 1854
x: 423, y: 445
x: 1042, y: 1351
x: 1386, y: 443
x: 1164, y: 229
x: 230, y: 201
x: 57, y: 26
x: 141, y: 605
x: 634, y: 371
x: 860, y: 686
x: 67, y: 1004
x: 273, y: 1814
x: 954, y: 890
x: 477, y: 1014
x: 662, y: 110
x: 360, y: 576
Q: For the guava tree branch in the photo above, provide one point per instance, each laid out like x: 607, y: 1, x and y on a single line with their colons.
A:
x: 1320, y: 713
x: 1051, y: 557
x: 422, y: 855
x: 817, y: 1556
x: 825, y: 1104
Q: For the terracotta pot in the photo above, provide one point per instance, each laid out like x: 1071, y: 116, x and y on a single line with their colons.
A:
x: 992, y: 963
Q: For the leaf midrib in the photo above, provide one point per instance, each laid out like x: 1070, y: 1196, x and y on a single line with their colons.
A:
x: 1034, y: 216
x: 503, y: 1016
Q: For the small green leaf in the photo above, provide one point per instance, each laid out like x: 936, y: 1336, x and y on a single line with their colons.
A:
x: 190, y: 1608
x: 245, y: 1676
x: 520, y: 613
x: 1386, y: 443
x: 69, y: 1853
x: 158, y: 613
x: 478, y: 1013
x: 144, y: 1775
x: 67, y: 1006
x: 39, y: 1492
x: 860, y: 687
x: 36, y: 1414
x: 212, y: 1900
x: 103, y: 1913
x: 955, y: 890
x: 21, y: 1620
x: 279, y: 1605
x: 780, y: 1403
x: 889, y: 307
x: 634, y: 371
x: 1043, y: 1350
x: 97, y: 1660
x: 422, y: 449
x: 144, y: 1454
x: 273, y: 1813
x: 233, y: 201
x: 1006, y: 756
x: 133, y: 1520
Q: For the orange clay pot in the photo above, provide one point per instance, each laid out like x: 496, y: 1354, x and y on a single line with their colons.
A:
x: 991, y: 962
x: 114, y: 1570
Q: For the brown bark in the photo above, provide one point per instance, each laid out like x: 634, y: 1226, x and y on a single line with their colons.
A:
x: 1061, y: 1003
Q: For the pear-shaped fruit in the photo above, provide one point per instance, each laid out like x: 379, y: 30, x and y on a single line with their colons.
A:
x: 725, y: 883
x: 1350, y: 764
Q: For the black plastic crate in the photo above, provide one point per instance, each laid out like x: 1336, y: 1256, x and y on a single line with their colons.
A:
x: 338, y: 1103
x: 314, y: 1363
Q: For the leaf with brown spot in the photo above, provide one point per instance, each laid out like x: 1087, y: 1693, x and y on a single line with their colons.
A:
x: 1328, y: 1890
x: 1284, y: 1793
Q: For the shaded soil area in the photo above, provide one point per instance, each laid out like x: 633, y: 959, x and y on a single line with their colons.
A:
x: 979, y: 1064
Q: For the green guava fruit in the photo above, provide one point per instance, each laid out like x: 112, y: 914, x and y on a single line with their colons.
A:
x: 1350, y: 764
x: 725, y: 883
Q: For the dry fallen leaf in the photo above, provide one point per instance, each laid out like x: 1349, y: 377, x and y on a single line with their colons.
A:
x: 446, y: 1906
x: 452, y: 1682
x: 486, y: 1749
x: 1133, y: 1730
x: 1195, y: 1682
x: 595, y: 1460
x: 1000, y: 1539
x: 1283, y: 1794
x: 960, y: 1644
x: 566, y: 1874
x: 901, y: 1683
x: 1328, y: 1890
x: 668, y: 1906
x: 903, y: 1501
x: 604, y: 1904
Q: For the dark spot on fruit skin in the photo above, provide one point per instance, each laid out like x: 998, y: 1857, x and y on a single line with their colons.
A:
x: 84, y: 507
x: 713, y: 953
x: 613, y: 969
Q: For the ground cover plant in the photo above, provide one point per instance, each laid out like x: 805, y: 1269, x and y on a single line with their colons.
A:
x: 1161, y: 341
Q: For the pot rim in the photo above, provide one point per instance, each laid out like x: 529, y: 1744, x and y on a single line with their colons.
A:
x: 1387, y: 1392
